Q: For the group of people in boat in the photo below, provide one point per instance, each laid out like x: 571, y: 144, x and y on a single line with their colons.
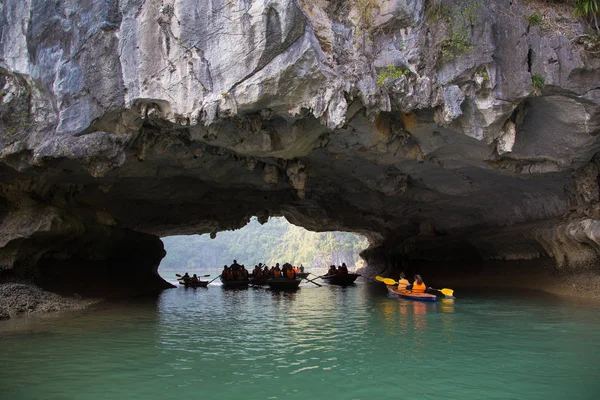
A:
x: 339, y: 270
x: 187, y: 279
x: 234, y: 272
x: 418, y: 286
x: 239, y: 272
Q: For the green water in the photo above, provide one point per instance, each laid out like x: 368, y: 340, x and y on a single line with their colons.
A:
x: 317, y: 343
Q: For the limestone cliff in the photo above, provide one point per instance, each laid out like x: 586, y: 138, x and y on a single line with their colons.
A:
x: 443, y: 130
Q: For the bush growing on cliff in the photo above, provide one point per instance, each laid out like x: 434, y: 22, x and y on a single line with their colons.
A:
x: 535, y: 19
x: 538, y: 82
x: 392, y: 72
x: 588, y: 9
x: 464, y: 17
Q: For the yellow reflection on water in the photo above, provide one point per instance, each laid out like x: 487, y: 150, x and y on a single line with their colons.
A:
x: 447, y: 306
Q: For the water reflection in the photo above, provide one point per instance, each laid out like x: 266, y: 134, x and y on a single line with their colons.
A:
x: 315, y: 343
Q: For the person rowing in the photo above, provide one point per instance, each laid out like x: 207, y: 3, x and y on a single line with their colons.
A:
x: 418, y: 286
x: 186, y: 278
x: 402, y: 282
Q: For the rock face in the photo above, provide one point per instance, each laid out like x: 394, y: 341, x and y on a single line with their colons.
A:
x: 445, y: 131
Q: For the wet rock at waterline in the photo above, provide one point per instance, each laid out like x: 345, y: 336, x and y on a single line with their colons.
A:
x: 125, y: 121
x: 17, y: 299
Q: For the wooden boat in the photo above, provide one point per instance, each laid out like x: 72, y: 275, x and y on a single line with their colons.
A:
x: 260, y: 281
x: 341, y: 280
x: 194, y: 284
x: 302, y: 275
x: 283, y: 284
x: 241, y: 283
x: 410, y: 295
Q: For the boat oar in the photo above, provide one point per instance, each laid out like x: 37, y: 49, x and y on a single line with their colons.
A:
x: 387, y: 281
x: 213, y: 280
x: 447, y: 292
x: 313, y: 280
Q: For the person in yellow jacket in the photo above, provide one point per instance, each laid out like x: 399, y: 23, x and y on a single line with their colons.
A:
x: 418, y: 286
x: 402, y: 282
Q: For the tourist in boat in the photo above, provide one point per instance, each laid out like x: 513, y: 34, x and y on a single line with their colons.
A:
x: 227, y: 274
x: 418, y: 286
x: 301, y: 268
x: 257, y: 272
x: 332, y: 270
x: 186, y: 278
x: 195, y: 279
x: 276, y: 271
x: 289, y: 272
x: 344, y: 269
x: 266, y: 271
x: 402, y: 281
x: 244, y: 272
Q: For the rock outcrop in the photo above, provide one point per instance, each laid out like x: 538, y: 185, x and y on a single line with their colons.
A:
x: 445, y: 131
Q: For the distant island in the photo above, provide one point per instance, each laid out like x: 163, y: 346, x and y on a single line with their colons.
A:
x: 276, y: 241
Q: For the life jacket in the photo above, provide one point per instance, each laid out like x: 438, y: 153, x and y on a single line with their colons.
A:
x: 290, y: 273
x: 402, y: 283
x: 296, y: 270
x: 276, y: 273
x: 419, y: 288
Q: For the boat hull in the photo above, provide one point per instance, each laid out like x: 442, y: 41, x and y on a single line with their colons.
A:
x: 194, y: 284
x: 409, y: 295
x: 235, y: 283
x: 283, y: 284
x: 259, y: 281
x: 340, y: 280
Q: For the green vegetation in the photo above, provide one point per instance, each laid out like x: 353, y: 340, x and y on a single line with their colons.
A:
x: 538, y: 82
x: 535, y: 19
x: 588, y: 9
x: 437, y: 10
x: 392, y: 72
x: 366, y: 13
x: 463, y: 19
x: 276, y: 241
x: 483, y: 73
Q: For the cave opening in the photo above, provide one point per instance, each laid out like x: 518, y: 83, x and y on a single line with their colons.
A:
x: 274, y: 241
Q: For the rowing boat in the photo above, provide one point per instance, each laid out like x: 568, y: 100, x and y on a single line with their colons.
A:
x: 341, y: 280
x: 194, y: 284
x: 238, y: 283
x: 283, y: 284
x: 410, y: 295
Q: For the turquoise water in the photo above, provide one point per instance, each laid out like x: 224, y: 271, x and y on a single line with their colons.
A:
x: 317, y: 343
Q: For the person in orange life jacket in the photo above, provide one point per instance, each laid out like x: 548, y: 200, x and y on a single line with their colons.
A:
x: 266, y: 271
x: 290, y: 273
x: 227, y: 273
x: 276, y: 271
x: 418, y: 286
x: 402, y: 281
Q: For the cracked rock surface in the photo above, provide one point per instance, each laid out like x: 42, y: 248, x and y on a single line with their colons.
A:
x: 123, y: 121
